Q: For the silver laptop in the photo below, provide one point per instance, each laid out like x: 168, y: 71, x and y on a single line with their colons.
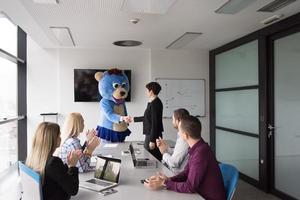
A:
x: 106, y: 175
x: 141, y: 162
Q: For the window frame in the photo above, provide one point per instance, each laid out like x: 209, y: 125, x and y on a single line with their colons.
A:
x: 20, y: 60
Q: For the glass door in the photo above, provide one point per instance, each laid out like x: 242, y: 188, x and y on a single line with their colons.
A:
x: 284, y: 126
x: 237, y: 108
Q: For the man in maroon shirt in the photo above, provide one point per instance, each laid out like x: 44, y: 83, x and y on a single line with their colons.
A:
x: 201, y: 175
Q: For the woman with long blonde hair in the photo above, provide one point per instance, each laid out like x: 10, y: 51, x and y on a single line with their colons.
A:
x: 59, y: 181
x: 73, y: 126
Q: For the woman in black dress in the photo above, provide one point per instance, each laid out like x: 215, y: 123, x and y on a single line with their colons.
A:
x: 152, y: 119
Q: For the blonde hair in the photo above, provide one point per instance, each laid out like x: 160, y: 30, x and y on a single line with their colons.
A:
x: 73, y: 125
x: 44, y: 144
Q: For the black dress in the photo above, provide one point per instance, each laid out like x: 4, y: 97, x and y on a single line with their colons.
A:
x: 60, y: 182
x: 152, y: 125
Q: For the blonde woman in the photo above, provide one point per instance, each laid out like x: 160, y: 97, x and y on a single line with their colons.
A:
x: 73, y: 126
x: 60, y: 181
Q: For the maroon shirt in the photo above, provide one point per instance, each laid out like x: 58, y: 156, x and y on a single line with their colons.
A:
x: 201, y: 175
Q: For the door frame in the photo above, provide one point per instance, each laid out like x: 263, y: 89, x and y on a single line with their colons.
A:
x: 263, y: 36
x: 271, y: 108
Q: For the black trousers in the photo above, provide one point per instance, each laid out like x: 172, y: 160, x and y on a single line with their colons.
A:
x: 155, y: 152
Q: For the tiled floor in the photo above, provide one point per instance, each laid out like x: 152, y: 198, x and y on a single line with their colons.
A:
x: 246, y: 191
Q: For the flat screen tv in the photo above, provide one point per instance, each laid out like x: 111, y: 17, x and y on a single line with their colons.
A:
x: 86, y: 86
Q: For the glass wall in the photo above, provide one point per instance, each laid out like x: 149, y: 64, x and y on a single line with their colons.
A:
x: 8, y: 38
x: 8, y: 95
x: 236, y: 108
x: 287, y: 114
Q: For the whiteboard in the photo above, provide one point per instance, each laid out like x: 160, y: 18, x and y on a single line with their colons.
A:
x: 182, y: 93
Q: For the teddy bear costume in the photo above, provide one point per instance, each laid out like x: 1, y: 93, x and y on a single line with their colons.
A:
x: 113, y: 86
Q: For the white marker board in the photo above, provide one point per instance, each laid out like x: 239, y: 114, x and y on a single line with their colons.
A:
x: 182, y: 93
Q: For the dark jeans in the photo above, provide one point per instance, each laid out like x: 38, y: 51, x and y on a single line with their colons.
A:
x: 155, y: 152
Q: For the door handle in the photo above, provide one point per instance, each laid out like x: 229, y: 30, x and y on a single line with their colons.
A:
x: 270, y: 130
x: 270, y: 127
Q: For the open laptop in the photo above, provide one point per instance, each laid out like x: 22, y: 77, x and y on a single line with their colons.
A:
x: 106, y: 175
x: 141, y: 162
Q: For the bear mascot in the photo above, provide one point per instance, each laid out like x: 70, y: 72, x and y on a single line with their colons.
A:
x: 113, y: 86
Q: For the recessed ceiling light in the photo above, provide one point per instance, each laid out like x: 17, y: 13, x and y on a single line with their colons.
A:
x: 147, y: 6
x: 271, y: 19
x: 234, y: 6
x: 127, y: 43
x: 46, y: 1
x: 183, y: 40
x: 63, y: 35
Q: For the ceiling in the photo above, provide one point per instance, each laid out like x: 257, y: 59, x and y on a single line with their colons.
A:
x: 98, y: 23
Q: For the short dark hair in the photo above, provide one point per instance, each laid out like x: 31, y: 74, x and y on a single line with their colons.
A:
x: 192, y: 126
x: 154, y: 87
x: 179, y: 113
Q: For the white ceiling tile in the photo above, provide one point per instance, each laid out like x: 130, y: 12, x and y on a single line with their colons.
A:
x: 98, y: 23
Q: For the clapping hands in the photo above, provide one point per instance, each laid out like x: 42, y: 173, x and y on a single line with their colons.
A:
x: 162, y: 145
x: 90, y: 134
x: 92, y: 140
x: 73, y: 157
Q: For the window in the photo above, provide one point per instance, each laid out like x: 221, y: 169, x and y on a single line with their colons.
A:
x: 10, y: 78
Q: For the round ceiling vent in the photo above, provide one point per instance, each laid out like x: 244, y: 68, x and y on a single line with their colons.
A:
x: 127, y: 43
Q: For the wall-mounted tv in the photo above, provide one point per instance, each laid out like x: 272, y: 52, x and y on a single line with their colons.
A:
x: 86, y: 86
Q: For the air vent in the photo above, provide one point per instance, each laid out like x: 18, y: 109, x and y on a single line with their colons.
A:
x: 127, y: 43
x: 63, y: 35
x: 275, y: 5
x: 183, y: 40
x: 271, y: 19
x: 234, y: 6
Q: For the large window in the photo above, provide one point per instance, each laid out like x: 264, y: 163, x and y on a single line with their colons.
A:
x: 10, y: 116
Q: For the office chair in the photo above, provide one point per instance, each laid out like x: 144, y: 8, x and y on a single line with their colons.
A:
x: 230, y: 178
x: 31, y: 183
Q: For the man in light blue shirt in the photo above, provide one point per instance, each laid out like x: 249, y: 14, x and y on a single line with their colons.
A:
x: 176, y: 159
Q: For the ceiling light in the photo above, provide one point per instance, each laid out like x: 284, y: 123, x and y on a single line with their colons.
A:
x: 127, y: 43
x: 46, y: 1
x: 147, y: 6
x: 234, y: 6
x: 63, y: 35
x: 271, y: 19
x: 183, y: 40
x: 275, y: 5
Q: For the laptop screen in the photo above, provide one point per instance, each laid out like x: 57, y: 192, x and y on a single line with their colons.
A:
x: 108, y: 169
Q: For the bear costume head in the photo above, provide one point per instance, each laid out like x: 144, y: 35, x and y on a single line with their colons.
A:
x: 113, y: 85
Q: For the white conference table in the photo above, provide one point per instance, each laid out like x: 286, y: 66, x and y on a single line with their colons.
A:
x: 130, y: 187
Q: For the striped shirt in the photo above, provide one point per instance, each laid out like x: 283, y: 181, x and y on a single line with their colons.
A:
x: 70, y: 144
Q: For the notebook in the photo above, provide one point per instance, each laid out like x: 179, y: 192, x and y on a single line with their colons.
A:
x: 141, y: 162
x: 106, y: 174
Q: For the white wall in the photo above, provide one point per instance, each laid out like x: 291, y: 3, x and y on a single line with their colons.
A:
x: 42, y: 84
x: 135, y: 59
x: 182, y: 64
x: 51, y: 81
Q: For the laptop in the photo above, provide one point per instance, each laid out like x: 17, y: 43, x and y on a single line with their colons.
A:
x: 141, y: 162
x: 106, y: 174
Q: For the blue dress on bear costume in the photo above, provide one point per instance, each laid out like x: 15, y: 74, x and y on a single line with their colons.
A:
x: 112, y: 136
